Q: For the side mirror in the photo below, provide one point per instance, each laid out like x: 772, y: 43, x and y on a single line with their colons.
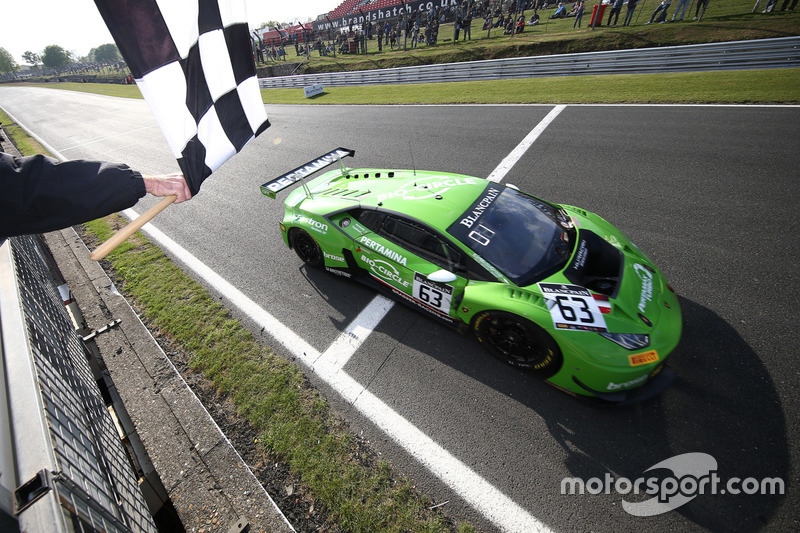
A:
x: 442, y: 276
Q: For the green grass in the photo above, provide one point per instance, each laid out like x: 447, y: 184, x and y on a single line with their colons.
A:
x: 24, y: 143
x: 767, y: 86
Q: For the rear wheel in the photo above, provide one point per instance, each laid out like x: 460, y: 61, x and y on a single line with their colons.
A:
x: 307, y: 248
x: 518, y: 342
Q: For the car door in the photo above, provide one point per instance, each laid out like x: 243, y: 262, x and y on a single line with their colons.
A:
x: 412, y: 260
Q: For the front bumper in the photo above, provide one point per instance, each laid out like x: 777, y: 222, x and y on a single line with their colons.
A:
x: 655, y: 386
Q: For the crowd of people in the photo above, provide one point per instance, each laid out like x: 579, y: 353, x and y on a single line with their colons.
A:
x: 422, y: 26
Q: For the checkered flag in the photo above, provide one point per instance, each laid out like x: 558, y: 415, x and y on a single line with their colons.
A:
x: 193, y: 62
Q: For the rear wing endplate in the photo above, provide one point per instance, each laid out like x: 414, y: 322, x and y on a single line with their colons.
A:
x: 271, y: 188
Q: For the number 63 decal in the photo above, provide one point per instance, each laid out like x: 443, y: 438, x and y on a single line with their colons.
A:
x: 572, y: 307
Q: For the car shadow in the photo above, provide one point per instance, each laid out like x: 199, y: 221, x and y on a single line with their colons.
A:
x: 723, y: 404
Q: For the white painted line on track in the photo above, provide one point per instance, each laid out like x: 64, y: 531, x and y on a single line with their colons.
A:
x: 511, y: 159
x: 498, y: 508
x: 516, y: 154
x: 351, y: 339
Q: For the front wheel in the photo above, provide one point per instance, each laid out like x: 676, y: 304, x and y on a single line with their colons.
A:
x: 307, y: 248
x: 518, y: 342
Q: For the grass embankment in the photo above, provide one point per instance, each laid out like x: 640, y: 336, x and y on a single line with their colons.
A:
x: 294, y: 423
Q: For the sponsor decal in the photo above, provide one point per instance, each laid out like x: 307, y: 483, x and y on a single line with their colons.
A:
x: 573, y: 307
x: 339, y: 272
x: 580, y: 256
x: 334, y: 257
x: 477, y: 210
x: 385, y: 270
x: 280, y: 183
x: 627, y: 384
x: 378, y: 247
x: 316, y: 225
x: 613, y: 241
x: 646, y: 275
x: 644, y: 358
x: 434, y: 185
x: 359, y: 228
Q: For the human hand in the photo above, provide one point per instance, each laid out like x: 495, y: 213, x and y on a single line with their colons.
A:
x: 168, y: 184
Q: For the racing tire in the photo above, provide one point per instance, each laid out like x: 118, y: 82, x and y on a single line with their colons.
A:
x: 307, y: 249
x: 518, y: 342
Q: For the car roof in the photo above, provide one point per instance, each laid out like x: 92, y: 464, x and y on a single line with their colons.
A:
x: 436, y: 198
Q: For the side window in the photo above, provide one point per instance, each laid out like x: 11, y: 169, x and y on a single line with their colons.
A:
x: 474, y: 270
x: 418, y: 239
x: 371, y: 219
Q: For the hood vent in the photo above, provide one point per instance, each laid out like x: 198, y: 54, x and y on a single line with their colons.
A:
x: 597, y: 265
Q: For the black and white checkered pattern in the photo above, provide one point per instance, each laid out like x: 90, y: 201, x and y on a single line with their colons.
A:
x: 193, y: 62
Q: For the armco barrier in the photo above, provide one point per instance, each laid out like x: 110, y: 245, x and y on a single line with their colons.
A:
x: 68, y: 470
x: 765, y: 53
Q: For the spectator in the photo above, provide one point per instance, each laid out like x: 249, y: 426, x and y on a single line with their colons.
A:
x: 387, y: 28
x: 520, y: 27
x: 629, y: 12
x: 41, y: 194
x: 467, y: 23
x: 380, y: 37
x: 661, y: 8
x: 414, y: 34
x: 534, y: 19
x: 681, y: 3
x: 770, y: 6
x: 578, y: 15
x: 560, y: 13
x: 616, y: 7
x: 783, y: 7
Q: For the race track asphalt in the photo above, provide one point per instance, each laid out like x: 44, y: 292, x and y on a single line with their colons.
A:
x: 708, y: 192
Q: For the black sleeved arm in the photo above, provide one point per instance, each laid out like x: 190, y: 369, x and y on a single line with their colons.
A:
x: 40, y: 194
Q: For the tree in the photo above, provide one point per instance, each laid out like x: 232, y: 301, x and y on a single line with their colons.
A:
x: 31, y: 58
x: 105, y: 53
x: 55, y: 57
x: 7, y: 62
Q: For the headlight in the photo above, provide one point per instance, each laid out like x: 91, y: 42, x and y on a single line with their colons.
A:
x: 629, y: 341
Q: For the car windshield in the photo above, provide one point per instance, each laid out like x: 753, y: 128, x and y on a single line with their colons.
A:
x: 525, y: 238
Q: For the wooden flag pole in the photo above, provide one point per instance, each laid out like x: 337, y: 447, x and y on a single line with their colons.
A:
x: 104, y: 249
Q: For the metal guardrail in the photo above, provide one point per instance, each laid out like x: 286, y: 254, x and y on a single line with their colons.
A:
x: 765, y: 53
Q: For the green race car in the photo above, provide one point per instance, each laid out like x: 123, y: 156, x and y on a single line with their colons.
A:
x: 551, y: 289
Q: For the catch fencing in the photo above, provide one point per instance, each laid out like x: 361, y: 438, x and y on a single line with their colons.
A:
x: 63, y: 465
x: 781, y: 52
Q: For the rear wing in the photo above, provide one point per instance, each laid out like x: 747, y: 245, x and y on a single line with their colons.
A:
x: 271, y: 188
